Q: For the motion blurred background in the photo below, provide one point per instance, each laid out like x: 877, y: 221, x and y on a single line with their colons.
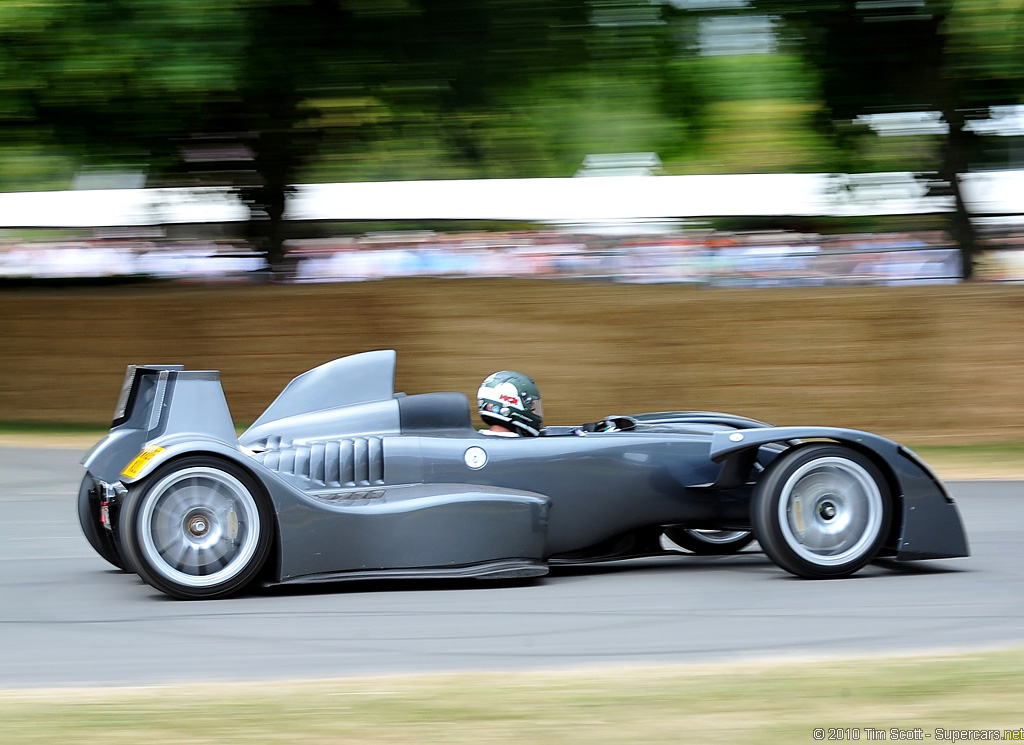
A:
x: 213, y: 183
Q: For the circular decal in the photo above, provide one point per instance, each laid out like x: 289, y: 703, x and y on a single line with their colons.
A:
x: 736, y: 437
x: 476, y: 458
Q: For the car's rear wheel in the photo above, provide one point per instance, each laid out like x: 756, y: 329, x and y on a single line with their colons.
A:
x: 102, y: 540
x: 822, y: 511
x: 709, y: 542
x: 198, y: 527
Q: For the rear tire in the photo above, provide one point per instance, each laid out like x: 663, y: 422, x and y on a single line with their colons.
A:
x: 102, y: 540
x: 822, y: 511
x: 709, y: 542
x: 198, y: 527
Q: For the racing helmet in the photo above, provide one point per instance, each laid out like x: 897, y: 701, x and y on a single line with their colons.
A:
x: 511, y: 399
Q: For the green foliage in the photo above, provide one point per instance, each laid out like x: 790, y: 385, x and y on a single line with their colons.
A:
x: 783, y: 75
x: 400, y: 89
x: 986, y: 49
x: 122, y: 67
x: 956, y: 57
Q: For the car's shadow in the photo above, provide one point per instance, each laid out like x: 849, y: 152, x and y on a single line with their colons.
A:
x: 673, y: 561
x: 745, y: 561
x: 914, y: 568
x: 371, y: 586
x: 749, y: 562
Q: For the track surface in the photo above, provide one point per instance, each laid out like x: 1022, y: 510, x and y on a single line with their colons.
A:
x: 68, y: 618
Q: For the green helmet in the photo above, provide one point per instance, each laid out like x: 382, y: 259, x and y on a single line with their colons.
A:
x: 511, y: 399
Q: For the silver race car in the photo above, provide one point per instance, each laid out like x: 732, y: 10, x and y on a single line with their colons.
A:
x: 341, y: 478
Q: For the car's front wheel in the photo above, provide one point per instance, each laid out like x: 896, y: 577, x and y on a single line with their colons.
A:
x: 198, y: 527
x: 822, y: 511
x: 709, y: 542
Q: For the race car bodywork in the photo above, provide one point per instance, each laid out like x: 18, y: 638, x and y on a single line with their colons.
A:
x: 341, y: 478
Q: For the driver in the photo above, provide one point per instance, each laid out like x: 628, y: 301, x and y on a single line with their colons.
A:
x: 509, y: 403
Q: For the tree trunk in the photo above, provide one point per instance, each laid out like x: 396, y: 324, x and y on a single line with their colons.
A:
x: 275, y: 158
x: 955, y: 162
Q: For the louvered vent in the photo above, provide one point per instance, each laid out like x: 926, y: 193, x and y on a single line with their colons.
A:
x: 273, y: 442
x: 356, y: 461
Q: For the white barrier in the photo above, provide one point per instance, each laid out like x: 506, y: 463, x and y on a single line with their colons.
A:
x: 538, y: 200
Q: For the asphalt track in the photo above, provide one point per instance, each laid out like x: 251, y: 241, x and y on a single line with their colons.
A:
x: 68, y: 618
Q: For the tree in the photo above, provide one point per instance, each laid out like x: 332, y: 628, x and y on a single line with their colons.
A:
x: 956, y: 57
x: 142, y: 80
x: 119, y: 78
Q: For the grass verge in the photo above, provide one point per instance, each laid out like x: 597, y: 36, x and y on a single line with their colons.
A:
x: 44, y: 435
x: 993, y: 461
x: 772, y: 702
x: 47, y: 428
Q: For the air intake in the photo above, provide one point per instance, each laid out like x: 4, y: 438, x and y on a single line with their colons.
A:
x: 355, y: 461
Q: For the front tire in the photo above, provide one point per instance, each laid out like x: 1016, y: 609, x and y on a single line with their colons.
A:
x: 199, y: 527
x: 822, y: 511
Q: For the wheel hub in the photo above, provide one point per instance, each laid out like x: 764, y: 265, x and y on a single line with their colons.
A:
x: 827, y: 510
x: 198, y: 526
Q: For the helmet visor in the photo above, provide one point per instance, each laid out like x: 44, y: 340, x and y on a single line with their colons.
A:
x: 537, y: 407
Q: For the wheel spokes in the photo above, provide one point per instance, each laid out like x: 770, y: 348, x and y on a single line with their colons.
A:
x: 199, y: 526
x: 831, y: 509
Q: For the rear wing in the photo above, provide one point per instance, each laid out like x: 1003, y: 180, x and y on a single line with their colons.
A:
x: 158, y: 400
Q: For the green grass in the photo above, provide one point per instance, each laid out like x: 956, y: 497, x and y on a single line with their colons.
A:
x: 49, y: 428
x: 998, y: 460
x: 778, y: 702
x: 41, y: 431
x: 1000, y: 449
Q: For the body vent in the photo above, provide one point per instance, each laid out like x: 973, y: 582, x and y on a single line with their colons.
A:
x: 355, y: 461
x: 274, y: 442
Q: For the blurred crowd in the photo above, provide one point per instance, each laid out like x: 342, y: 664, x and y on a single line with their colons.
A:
x: 106, y: 257
x: 704, y: 258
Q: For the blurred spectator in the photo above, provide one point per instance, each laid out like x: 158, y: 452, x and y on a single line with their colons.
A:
x: 90, y: 259
x: 692, y: 256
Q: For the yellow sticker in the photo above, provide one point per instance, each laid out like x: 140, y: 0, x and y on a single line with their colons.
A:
x: 138, y: 464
